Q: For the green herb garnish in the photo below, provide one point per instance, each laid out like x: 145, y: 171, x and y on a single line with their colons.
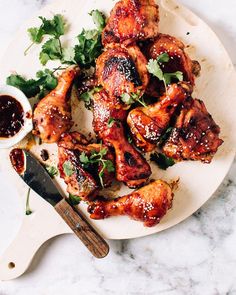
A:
x: 28, y: 211
x: 88, y: 96
x: 52, y: 171
x: 46, y: 81
x: 165, y: 136
x: 110, y: 122
x: 162, y: 161
x: 68, y: 168
x: 154, y: 68
x: 52, y: 49
x: 132, y: 98
x: 74, y: 200
x: 97, y: 157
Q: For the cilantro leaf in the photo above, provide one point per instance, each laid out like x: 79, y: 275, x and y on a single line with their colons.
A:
x: 162, y: 161
x: 110, y: 122
x: 132, y: 98
x: 29, y: 87
x: 84, y: 159
x: 68, y: 168
x: 89, y: 48
x: 164, y: 57
x: 87, y: 97
x: 165, y: 136
x: 51, y: 50
x: 177, y: 76
x: 46, y: 81
x: 36, y: 34
x: 155, y: 69
x: 74, y: 200
x: 52, y: 171
x: 98, y: 19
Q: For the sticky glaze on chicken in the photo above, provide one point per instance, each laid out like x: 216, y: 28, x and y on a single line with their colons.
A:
x: 148, y: 204
x: 179, y: 61
x: 131, y: 20
x: 83, y: 182
x: 131, y: 167
x: 147, y: 124
x: 52, y: 115
x: 195, y: 135
x: 122, y: 70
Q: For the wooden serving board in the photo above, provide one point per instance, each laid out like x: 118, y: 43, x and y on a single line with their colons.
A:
x: 197, y: 181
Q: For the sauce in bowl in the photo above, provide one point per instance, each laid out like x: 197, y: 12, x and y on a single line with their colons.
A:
x: 11, y: 116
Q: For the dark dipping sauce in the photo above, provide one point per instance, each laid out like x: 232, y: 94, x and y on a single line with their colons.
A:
x: 11, y: 116
x: 17, y: 158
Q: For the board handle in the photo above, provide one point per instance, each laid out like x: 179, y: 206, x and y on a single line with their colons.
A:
x: 84, y: 231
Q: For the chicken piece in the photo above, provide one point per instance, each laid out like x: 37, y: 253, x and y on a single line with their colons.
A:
x: 148, y: 124
x: 80, y: 181
x: 195, y: 135
x: 179, y: 61
x: 148, y: 204
x: 52, y: 115
x: 131, y: 167
x: 131, y: 20
x: 122, y: 70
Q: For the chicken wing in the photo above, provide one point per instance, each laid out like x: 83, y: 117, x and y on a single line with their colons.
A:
x: 179, y: 61
x: 52, y: 115
x: 147, y: 124
x: 195, y: 135
x: 131, y: 20
x: 131, y: 167
x: 80, y: 181
x: 148, y: 204
x: 122, y: 70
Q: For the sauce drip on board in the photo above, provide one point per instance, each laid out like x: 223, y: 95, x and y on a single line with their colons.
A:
x: 17, y: 158
x: 11, y: 116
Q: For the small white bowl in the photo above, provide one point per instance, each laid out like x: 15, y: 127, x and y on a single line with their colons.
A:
x: 28, y: 123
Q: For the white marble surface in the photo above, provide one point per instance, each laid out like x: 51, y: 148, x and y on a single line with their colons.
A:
x: 195, y: 257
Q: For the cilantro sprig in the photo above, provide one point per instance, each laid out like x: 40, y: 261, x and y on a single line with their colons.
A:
x: 132, y: 98
x: 162, y: 161
x: 87, y: 97
x: 45, y: 82
x: 52, y: 171
x: 97, y: 157
x: 52, y: 49
x: 154, y: 68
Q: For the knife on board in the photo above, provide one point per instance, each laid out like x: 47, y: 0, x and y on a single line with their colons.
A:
x: 38, y: 179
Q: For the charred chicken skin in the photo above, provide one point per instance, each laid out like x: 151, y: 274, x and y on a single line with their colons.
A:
x: 131, y: 167
x: 131, y: 20
x: 195, y: 135
x: 52, y: 115
x: 179, y: 61
x: 147, y: 124
x: 81, y: 182
x: 122, y: 70
x: 148, y: 204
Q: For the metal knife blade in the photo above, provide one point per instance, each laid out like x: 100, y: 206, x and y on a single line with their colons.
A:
x: 39, y: 180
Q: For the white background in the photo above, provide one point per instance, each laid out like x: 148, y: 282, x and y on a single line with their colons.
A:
x: 196, y: 257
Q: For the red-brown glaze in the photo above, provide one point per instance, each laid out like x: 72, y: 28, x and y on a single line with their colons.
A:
x: 122, y: 70
x: 148, y: 204
x: 52, y: 116
x: 131, y: 167
x: 17, y: 158
x: 195, y: 136
x: 131, y: 20
x: 84, y: 182
x: 147, y: 124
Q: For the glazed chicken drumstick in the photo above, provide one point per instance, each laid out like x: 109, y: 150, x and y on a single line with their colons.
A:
x: 82, y: 182
x: 131, y: 167
x: 131, y: 20
x: 195, y: 135
x: 148, y: 124
x: 148, y: 204
x: 52, y: 115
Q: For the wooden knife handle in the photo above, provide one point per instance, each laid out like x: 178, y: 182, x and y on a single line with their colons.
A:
x: 91, y: 239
